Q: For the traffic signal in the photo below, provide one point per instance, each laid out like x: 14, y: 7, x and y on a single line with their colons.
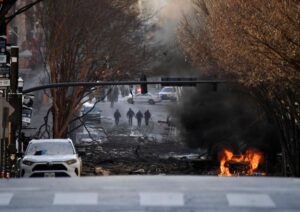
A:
x: 144, y: 88
x: 27, y: 110
x: 28, y: 101
x: 215, y: 86
x: 179, y: 81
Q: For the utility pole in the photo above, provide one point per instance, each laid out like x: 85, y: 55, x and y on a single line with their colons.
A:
x: 15, y: 97
x: 9, y: 75
x: 3, y: 81
x: 11, y: 85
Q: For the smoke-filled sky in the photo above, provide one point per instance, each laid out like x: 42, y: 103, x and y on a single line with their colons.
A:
x: 161, y: 32
x: 208, y: 119
x: 166, y: 15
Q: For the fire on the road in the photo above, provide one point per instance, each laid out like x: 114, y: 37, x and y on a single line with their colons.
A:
x: 244, y: 164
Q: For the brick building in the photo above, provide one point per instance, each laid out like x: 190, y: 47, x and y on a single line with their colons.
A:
x: 25, y: 31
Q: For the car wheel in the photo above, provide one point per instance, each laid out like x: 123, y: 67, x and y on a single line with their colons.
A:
x: 151, y: 102
x: 130, y: 101
x: 173, y: 99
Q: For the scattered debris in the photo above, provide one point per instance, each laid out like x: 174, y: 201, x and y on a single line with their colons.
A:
x: 128, y: 155
x: 100, y: 171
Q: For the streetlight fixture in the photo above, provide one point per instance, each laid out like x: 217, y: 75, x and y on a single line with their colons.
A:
x: 20, y: 84
x: 20, y: 102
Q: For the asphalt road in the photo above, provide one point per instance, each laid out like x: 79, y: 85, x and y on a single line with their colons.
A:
x: 159, y: 112
x: 151, y: 193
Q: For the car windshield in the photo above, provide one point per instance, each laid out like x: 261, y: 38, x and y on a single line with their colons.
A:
x: 50, y: 148
x: 90, y: 110
x: 168, y: 89
x: 146, y: 94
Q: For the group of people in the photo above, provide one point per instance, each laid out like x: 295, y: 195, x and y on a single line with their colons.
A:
x: 130, y: 114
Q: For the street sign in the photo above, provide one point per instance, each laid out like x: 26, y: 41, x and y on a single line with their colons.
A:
x: 4, y: 82
x: 5, y: 71
x: 3, y: 58
x: 2, y: 43
x: 26, y: 115
x: 4, y: 104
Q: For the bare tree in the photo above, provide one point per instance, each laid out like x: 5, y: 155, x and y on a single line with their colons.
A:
x: 6, y: 13
x: 88, y: 41
x: 257, y: 43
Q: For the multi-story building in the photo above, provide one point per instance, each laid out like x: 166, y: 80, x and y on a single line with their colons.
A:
x: 25, y: 31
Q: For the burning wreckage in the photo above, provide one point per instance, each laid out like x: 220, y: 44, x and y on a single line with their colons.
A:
x: 131, y: 153
x: 142, y: 156
x: 246, y: 164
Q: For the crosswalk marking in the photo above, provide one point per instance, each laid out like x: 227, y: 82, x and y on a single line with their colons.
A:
x: 75, y: 198
x: 150, y: 199
x: 21, y: 189
x: 161, y: 199
x: 249, y: 200
x: 5, y: 198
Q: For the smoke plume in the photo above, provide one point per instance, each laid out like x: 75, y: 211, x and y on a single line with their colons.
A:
x: 228, y: 117
x: 165, y: 15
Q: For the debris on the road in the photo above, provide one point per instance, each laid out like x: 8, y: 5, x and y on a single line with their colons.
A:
x: 143, y: 156
x: 100, y: 171
x: 139, y: 171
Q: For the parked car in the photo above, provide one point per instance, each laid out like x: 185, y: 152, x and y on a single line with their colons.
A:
x: 90, y: 137
x: 90, y: 112
x: 145, y: 98
x: 168, y: 93
x: 51, y: 158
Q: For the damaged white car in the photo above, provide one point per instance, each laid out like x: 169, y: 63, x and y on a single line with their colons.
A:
x: 51, y: 158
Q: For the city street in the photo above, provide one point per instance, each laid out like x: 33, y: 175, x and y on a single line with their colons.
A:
x: 157, y: 127
x: 159, y: 111
x: 150, y: 193
x: 149, y: 105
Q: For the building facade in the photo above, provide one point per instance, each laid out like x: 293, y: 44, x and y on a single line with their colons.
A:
x: 25, y: 31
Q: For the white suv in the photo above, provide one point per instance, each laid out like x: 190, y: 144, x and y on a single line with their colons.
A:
x: 51, y: 158
x: 168, y: 93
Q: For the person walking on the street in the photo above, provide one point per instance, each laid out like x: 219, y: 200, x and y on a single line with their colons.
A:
x: 117, y: 116
x: 130, y: 115
x: 147, y: 116
x: 113, y: 95
x: 139, y: 117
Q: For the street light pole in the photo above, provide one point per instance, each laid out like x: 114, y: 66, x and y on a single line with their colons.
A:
x: 20, y: 101
x: 13, y: 94
x: 15, y: 100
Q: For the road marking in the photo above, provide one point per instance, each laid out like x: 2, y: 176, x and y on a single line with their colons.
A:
x: 250, y: 200
x: 20, y: 189
x: 5, y: 198
x: 71, y: 198
x: 161, y: 199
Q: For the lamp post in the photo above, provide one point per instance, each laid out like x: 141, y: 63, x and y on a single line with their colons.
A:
x: 20, y: 103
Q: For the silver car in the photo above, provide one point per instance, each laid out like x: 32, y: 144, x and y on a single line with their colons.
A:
x: 144, y: 98
x: 50, y: 158
x: 168, y: 93
x: 91, y: 113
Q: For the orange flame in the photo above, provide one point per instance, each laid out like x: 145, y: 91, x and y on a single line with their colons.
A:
x: 252, y: 157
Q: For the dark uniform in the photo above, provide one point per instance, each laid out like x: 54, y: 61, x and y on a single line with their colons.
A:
x: 130, y: 114
x: 139, y: 117
x: 147, y: 116
x: 117, y: 116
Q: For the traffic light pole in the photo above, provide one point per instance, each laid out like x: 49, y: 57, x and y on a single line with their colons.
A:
x: 15, y: 97
x: 94, y: 84
x: 4, y: 112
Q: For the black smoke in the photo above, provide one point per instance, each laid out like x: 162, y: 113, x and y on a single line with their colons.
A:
x: 227, y: 117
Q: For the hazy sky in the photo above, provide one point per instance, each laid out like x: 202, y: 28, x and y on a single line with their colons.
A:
x: 167, y: 16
